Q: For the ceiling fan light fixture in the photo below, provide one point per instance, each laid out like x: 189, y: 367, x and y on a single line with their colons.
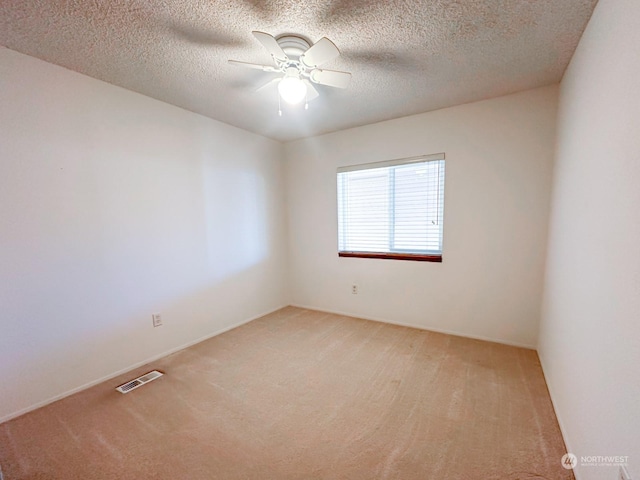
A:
x: 292, y: 89
x: 296, y: 60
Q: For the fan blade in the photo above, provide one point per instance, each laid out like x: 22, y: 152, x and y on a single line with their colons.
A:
x: 270, y: 43
x: 269, y: 84
x: 312, y: 93
x: 330, y: 78
x: 264, y: 68
x: 321, y: 52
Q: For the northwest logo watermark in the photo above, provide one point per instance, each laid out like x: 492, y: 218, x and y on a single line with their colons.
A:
x: 570, y: 461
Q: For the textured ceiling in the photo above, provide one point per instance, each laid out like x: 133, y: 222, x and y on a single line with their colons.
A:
x: 406, y: 56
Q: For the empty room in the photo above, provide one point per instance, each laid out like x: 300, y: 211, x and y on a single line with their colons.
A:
x: 320, y: 240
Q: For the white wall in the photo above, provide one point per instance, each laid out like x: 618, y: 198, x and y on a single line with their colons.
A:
x: 498, y: 178
x: 590, y: 331
x: 114, y: 206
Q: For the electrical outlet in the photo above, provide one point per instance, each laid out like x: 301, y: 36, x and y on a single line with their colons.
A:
x: 157, y: 321
x: 354, y: 289
x: 623, y: 474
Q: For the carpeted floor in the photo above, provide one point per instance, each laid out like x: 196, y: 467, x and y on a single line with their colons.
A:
x: 300, y: 394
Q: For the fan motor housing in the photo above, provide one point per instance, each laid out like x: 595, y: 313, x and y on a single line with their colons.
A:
x: 293, y: 45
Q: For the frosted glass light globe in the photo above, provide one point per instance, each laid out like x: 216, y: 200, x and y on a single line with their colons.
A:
x: 292, y: 90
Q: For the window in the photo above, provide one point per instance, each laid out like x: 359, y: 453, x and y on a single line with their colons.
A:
x: 392, y: 209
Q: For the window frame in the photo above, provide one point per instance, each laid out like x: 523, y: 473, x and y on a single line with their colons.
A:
x: 421, y: 257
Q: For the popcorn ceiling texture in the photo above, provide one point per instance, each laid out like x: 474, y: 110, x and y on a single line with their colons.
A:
x: 406, y: 57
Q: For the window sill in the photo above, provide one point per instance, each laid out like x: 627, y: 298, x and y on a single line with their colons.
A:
x: 418, y: 257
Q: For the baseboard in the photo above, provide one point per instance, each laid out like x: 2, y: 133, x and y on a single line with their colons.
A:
x: 563, y: 430
x: 131, y: 367
x: 419, y: 327
x: 243, y: 322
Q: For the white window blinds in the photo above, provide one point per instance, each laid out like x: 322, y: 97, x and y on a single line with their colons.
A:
x: 392, y: 207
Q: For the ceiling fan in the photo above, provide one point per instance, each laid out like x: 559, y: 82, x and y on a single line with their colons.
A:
x: 297, y: 61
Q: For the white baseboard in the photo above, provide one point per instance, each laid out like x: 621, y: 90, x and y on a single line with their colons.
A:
x: 55, y: 398
x: 419, y: 327
x: 563, y: 430
x: 238, y: 324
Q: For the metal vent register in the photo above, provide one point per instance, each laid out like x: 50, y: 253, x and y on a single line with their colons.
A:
x: 138, y: 382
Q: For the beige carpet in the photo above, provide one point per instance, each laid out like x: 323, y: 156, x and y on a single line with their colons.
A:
x: 300, y: 394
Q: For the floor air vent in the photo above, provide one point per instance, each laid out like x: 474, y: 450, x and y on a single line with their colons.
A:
x: 138, y: 382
